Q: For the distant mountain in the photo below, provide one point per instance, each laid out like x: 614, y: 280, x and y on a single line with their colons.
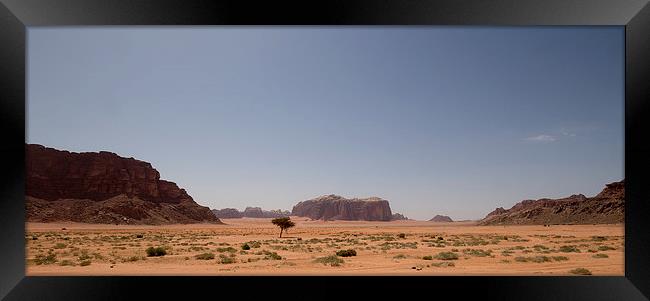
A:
x: 249, y: 212
x: 334, y: 207
x: 606, y: 207
x: 398, y: 217
x: 102, y: 187
x: 441, y: 218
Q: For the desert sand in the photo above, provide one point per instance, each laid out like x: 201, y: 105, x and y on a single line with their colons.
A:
x: 382, y: 248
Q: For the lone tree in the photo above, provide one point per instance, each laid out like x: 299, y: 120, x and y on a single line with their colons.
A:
x: 284, y: 223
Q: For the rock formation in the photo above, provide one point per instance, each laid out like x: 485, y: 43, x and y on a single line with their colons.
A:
x: 606, y: 207
x: 441, y: 219
x: 255, y: 212
x: 334, y: 207
x: 398, y: 217
x: 227, y: 213
x: 102, y: 187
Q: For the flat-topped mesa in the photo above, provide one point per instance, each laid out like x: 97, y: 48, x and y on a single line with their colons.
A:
x: 606, y: 207
x: 441, y: 219
x: 335, y: 207
x: 105, y: 182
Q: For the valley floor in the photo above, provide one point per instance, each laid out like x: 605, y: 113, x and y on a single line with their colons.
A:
x: 382, y: 248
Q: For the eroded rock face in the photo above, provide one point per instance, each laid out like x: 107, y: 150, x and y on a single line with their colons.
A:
x: 334, y: 207
x: 128, y: 190
x: 441, y: 219
x: 606, y: 207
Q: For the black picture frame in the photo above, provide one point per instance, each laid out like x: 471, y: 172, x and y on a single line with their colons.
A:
x: 16, y: 15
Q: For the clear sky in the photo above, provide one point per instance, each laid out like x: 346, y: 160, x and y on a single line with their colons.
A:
x: 437, y: 120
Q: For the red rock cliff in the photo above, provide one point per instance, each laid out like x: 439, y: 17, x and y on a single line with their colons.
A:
x: 53, y: 175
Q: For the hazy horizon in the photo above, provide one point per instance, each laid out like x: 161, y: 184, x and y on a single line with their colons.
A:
x: 437, y: 120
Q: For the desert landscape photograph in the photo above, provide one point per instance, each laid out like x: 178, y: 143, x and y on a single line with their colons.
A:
x: 367, y: 151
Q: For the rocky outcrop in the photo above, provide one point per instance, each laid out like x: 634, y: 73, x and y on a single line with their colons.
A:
x: 398, y: 217
x: 102, y: 187
x: 334, y: 207
x: 441, y: 219
x: 255, y: 212
x: 605, y: 208
x: 227, y: 213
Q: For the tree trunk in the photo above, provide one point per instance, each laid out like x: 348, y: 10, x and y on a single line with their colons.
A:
x: 281, y: 232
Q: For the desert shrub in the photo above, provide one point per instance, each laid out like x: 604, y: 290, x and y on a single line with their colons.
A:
x: 598, y: 238
x: 139, y: 236
x: 60, y: 246
x: 600, y: 255
x: 401, y: 235
x: 605, y: 248
x: 245, y: 246
x: 50, y: 258
x: 332, y: 260
x: 399, y: 256
x: 133, y: 259
x: 272, y: 256
x: 228, y: 249
x: 560, y: 258
x: 580, y: 271
x: 428, y: 257
x: 66, y: 263
x: 155, y: 252
x: 204, y: 256
x: 477, y: 252
x: 346, y: 253
x: 84, y: 263
x: 443, y: 264
x: 226, y: 259
x: 447, y: 256
x: 569, y: 249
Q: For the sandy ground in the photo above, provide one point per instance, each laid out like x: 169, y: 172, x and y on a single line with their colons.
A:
x: 383, y: 248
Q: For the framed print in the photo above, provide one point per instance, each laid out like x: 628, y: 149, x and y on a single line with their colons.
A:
x: 459, y: 148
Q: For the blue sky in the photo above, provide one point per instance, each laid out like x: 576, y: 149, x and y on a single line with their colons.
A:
x: 437, y: 120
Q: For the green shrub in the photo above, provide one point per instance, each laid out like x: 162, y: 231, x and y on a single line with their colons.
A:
x: 346, y: 253
x: 580, y: 271
x: 447, y: 256
x: 428, y: 257
x: 332, y: 260
x: 155, y: 252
